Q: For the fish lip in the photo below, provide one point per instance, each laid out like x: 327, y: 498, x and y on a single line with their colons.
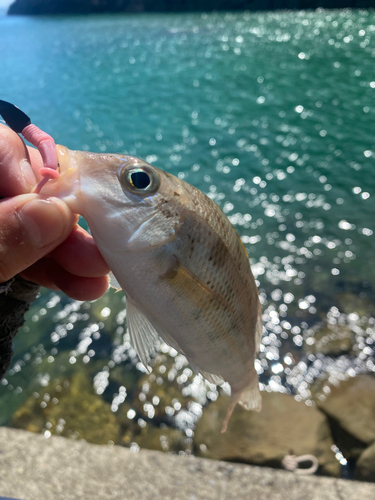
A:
x: 67, y: 186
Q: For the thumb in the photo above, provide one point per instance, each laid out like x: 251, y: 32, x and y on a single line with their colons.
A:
x: 30, y: 227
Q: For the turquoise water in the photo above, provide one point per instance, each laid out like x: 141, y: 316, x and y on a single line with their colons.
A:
x: 272, y: 115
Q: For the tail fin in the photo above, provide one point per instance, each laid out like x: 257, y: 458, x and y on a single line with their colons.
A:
x: 250, y: 398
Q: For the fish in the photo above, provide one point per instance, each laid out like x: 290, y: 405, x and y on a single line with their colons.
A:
x: 180, y: 262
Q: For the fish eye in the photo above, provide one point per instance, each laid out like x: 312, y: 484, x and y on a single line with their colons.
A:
x: 140, y: 180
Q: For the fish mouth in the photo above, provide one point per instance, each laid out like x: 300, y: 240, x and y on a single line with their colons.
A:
x: 68, y: 165
x: 67, y: 186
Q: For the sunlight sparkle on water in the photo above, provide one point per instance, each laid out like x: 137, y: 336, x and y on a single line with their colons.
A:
x: 288, y: 159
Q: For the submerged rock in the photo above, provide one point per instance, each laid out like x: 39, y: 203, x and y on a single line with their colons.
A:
x: 69, y: 409
x: 332, y: 340
x: 283, y: 426
x: 159, y: 395
x: 349, y: 302
x: 166, y: 439
x: 351, y: 410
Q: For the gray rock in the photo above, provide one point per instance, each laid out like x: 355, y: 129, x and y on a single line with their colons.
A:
x: 351, y: 409
x: 264, y: 438
x: 365, y: 466
x: 33, y: 467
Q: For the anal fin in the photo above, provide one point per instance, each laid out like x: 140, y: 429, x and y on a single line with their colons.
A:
x: 211, y: 377
x: 249, y: 398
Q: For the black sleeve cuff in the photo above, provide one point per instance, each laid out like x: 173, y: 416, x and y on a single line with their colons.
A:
x: 16, y: 295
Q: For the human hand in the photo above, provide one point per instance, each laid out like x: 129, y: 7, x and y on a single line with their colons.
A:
x: 39, y: 237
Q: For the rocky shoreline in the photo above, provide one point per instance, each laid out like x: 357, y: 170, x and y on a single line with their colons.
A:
x: 318, y: 401
x: 40, y: 7
x: 338, y: 430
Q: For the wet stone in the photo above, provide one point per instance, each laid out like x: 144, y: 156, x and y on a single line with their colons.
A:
x: 283, y: 426
x: 350, y: 407
x: 163, y: 439
x: 350, y: 302
x: 365, y: 466
x: 69, y: 408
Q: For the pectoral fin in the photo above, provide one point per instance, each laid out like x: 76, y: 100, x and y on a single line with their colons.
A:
x: 143, y: 335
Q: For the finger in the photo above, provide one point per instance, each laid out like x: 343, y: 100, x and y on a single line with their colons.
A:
x: 50, y: 274
x: 41, y: 273
x: 79, y: 255
x: 19, y: 165
x: 31, y: 227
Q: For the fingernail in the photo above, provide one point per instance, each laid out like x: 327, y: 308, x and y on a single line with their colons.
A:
x: 43, y: 222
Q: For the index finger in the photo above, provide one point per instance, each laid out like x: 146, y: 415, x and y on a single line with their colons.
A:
x: 19, y: 164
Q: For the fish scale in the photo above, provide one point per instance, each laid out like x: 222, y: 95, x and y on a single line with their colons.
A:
x: 219, y: 269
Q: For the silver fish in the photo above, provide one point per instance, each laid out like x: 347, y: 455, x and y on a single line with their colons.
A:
x: 180, y: 262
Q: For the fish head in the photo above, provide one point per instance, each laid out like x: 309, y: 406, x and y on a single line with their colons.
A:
x: 127, y: 203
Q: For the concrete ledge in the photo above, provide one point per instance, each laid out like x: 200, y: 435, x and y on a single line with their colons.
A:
x: 35, y: 468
